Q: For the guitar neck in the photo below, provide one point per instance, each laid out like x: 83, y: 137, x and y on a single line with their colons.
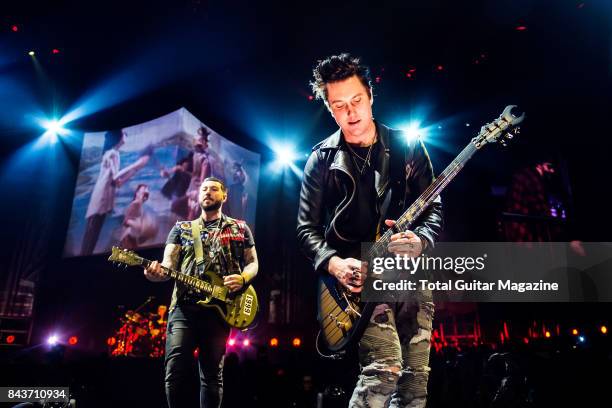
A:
x: 188, y: 280
x: 405, y: 221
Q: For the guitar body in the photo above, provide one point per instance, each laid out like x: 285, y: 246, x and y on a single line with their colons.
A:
x: 341, y: 316
x: 238, y: 309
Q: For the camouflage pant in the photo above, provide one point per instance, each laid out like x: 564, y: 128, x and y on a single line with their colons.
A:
x: 394, y: 356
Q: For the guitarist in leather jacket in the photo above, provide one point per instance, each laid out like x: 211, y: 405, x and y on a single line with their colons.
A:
x: 229, y: 251
x: 350, y: 185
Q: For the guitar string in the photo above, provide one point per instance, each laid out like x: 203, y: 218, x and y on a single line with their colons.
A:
x: 434, y: 189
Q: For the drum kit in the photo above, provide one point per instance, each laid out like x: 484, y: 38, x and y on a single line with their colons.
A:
x: 141, y: 333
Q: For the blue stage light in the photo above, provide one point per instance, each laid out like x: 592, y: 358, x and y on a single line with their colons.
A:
x: 414, y: 131
x: 286, y: 156
x: 53, y: 126
x: 53, y: 129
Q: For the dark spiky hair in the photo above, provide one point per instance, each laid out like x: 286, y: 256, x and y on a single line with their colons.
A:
x: 337, y: 68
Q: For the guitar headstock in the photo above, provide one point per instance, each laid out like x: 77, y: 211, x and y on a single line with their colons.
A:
x: 501, y: 129
x: 124, y: 256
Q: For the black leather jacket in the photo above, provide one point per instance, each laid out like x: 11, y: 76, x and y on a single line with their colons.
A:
x: 328, y: 186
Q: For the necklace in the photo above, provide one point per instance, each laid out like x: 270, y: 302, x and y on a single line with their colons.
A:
x: 366, y: 161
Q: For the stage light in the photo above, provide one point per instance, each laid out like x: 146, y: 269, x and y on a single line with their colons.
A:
x: 521, y: 28
x: 273, y: 342
x: 547, y: 334
x: 55, y: 51
x: 246, y: 342
x: 467, y: 125
x: 575, y: 332
x: 31, y: 53
x: 413, y: 131
x: 52, y: 340
x: 581, y: 339
x: 53, y: 126
x: 15, y: 28
x: 310, y: 98
x: 111, y: 341
x: 296, y: 342
x: 10, y: 339
x: 440, y: 68
x: 73, y: 340
x: 53, y: 129
x: 603, y: 330
x: 285, y: 154
x: 231, y: 342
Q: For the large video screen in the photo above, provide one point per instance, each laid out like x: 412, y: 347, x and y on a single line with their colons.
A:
x: 135, y: 183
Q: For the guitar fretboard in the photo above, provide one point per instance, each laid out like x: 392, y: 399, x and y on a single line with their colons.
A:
x: 188, y: 280
x: 413, y: 212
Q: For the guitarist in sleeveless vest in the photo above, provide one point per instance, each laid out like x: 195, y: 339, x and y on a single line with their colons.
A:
x: 362, y: 174
x: 227, y: 248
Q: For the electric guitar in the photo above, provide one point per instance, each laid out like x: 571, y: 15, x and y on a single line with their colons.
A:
x: 238, y: 309
x: 341, y: 314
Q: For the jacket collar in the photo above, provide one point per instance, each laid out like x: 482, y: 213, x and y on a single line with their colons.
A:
x: 225, y: 221
x: 335, y: 140
x: 342, y: 159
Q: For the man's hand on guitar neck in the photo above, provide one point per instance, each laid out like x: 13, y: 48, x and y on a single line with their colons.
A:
x: 154, y: 273
x: 405, y: 243
x: 347, y: 271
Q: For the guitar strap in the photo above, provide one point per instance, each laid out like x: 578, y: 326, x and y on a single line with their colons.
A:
x: 398, y: 158
x: 196, y: 230
x: 198, y: 249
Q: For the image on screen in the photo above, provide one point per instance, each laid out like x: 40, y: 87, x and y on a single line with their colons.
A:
x: 135, y: 183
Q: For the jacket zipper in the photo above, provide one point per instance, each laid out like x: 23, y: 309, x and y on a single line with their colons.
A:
x: 333, y: 221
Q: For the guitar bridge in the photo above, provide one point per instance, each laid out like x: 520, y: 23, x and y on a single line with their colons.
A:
x: 339, y: 324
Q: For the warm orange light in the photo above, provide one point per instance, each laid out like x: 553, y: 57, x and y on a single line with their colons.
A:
x: 603, y: 329
x: 575, y: 332
x: 73, y: 340
x: 111, y: 341
x: 273, y: 342
x: 297, y: 342
x: 547, y: 334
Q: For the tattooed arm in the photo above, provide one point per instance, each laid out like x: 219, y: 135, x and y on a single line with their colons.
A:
x: 251, y: 265
x: 171, y: 257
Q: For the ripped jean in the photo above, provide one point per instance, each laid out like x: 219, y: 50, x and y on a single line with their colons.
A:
x: 190, y: 327
x: 394, y: 356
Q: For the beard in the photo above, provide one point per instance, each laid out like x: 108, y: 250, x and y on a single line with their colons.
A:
x: 211, y: 207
